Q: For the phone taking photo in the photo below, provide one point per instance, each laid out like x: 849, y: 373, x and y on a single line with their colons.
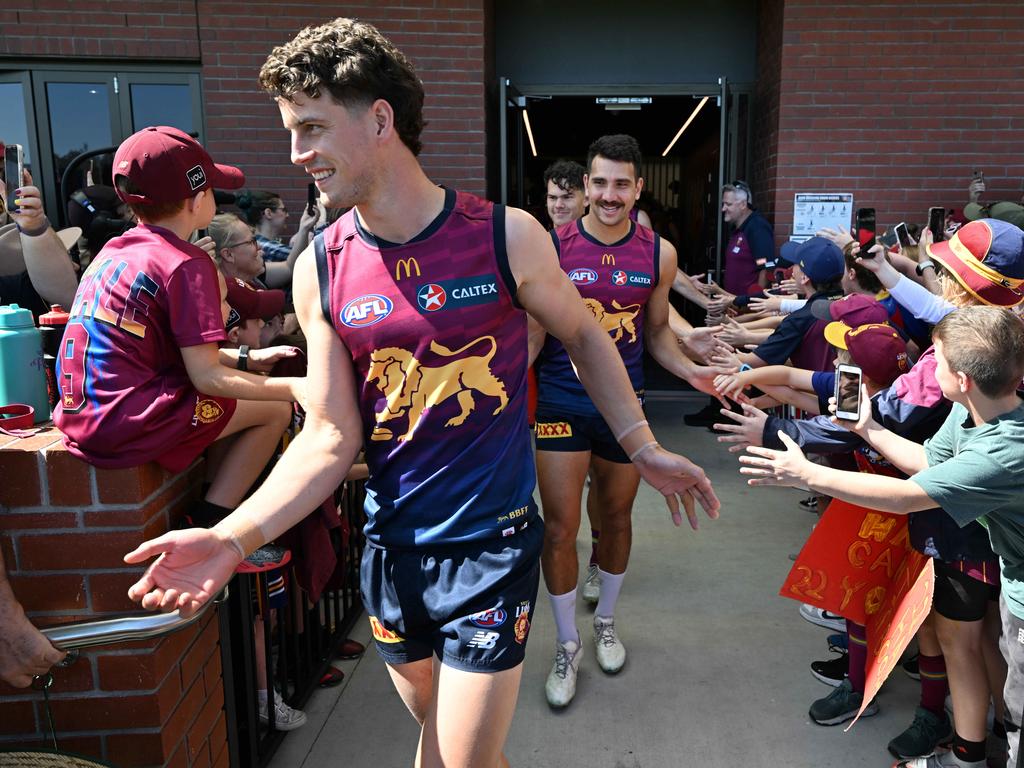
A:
x: 14, y: 170
x: 847, y: 391
x: 311, y: 198
x: 902, y: 235
x: 865, y: 228
x: 937, y: 223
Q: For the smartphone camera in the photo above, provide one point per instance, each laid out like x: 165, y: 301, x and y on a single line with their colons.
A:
x: 865, y: 226
x: 14, y: 168
x: 847, y: 391
x: 937, y: 223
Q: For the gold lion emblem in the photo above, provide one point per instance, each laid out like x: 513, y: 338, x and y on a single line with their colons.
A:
x: 208, y: 411
x: 615, y: 323
x: 411, y: 388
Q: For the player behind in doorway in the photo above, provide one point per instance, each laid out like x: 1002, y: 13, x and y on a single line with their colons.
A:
x: 414, y: 309
x: 624, y: 273
x: 565, y: 195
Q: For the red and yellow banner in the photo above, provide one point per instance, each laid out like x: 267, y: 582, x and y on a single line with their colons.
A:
x: 859, y: 563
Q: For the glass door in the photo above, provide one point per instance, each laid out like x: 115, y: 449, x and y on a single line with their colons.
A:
x: 512, y: 105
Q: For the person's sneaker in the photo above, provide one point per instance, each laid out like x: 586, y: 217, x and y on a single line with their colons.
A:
x: 939, y: 759
x: 840, y: 705
x: 592, y: 585
x: 997, y: 750
x: 833, y: 671
x: 912, y: 670
x: 822, y: 618
x: 706, y: 417
x: 810, y: 503
x: 561, y: 683
x: 285, y: 718
x: 838, y: 642
x: 922, y: 737
x: 611, y: 653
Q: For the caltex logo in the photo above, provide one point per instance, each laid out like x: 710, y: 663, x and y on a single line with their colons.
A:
x: 619, y: 277
x: 431, y: 297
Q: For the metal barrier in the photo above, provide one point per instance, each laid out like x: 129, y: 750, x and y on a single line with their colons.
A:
x: 298, y: 649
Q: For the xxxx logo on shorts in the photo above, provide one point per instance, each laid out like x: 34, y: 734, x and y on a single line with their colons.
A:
x: 556, y: 429
x: 208, y: 411
x: 382, y: 635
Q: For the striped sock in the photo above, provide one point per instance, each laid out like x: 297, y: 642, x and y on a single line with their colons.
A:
x: 934, y: 685
x: 858, y: 654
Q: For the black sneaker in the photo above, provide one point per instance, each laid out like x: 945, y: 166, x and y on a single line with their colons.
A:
x: 706, y: 417
x: 910, y: 666
x: 922, y: 737
x: 840, y: 705
x: 810, y: 503
x: 833, y: 671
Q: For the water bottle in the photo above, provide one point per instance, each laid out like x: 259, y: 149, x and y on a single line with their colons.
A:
x: 51, y: 326
x: 22, y: 372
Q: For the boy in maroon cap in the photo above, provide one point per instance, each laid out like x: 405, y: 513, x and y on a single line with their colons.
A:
x: 141, y: 376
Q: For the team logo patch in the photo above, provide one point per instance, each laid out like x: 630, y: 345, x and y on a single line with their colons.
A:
x: 583, y: 276
x: 196, y: 177
x: 622, y: 277
x: 454, y: 294
x: 431, y: 297
x: 381, y: 634
x: 366, y: 310
x: 495, y: 617
x: 208, y: 411
x: 555, y: 429
x: 522, y: 625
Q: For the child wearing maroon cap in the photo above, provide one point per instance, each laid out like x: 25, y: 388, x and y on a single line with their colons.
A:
x: 141, y: 375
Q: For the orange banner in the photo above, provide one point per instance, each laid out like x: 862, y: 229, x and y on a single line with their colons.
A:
x: 859, y: 563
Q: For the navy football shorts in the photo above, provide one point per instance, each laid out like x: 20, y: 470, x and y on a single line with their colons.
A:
x: 560, y: 431
x: 470, y: 604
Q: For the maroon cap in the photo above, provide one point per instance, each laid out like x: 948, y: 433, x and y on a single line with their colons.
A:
x: 250, y: 303
x: 853, y: 309
x: 168, y: 165
x: 877, y: 348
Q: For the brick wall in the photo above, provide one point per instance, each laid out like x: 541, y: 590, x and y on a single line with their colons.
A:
x: 896, y: 101
x: 766, y: 102
x: 443, y: 38
x: 64, y: 527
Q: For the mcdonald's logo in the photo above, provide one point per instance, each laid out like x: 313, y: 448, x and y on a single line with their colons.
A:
x: 608, y: 258
x: 407, y: 266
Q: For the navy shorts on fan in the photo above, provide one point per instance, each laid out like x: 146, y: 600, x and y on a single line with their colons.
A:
x: 561, y: 431
x: 470, y: 605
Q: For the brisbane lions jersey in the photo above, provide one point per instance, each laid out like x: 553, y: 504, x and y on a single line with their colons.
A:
x: 439, y: 347
x: 615, y: 282
x: 125, y: 395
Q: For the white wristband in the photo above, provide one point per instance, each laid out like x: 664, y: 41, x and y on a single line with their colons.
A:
x: 630, y: 430
x: 641, y: 449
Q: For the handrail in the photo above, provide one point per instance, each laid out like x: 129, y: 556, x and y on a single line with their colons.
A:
x: 122, y: 629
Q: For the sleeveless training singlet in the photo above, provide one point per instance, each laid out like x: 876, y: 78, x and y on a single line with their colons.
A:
x: 615, y: 282
x: 439, y: 347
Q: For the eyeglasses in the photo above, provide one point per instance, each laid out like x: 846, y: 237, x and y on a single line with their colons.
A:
x: 244, y: 242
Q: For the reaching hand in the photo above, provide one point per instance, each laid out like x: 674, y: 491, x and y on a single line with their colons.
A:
x: 702, y: 378
x: 976, y: 190
x: 769, y: 467
x: 193, y: 566
x: 24, y: 650
x: 731, y: 385
x: 789, y: 287
x: 701, y: 342
x: 262, y: 360
x: 727, y: 361
x: 207, y: 244
x: 678, y: 479
x: 865, y: 420
x: 840, y: 235
x: 747, y: 428
x: 733, y: 333
x: 767, y: 304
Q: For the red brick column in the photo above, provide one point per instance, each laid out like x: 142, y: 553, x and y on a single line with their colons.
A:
x: 64, y: 527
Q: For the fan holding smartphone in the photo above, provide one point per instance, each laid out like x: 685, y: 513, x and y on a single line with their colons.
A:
x: 865, y: 231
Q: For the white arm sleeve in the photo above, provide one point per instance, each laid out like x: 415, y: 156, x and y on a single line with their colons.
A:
x: 923, y: 303
x: 789, y: 306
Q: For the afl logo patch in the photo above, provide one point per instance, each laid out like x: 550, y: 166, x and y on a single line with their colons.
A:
x: 487, y: 619
x: 619, y: 277
x: 366, y: 310
x: 431, y: 297
x: 583, y: 276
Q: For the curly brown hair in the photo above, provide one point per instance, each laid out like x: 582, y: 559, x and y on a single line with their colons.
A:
x: 356, y: 64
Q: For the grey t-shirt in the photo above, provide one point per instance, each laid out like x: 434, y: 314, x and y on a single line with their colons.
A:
x: 977, y: 473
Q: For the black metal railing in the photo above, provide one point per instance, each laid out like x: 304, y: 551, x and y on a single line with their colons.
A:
x: 299, y: 640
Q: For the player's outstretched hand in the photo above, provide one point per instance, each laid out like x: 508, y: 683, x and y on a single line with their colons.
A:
x: 192, y: 567
x: 770, y: 467
x: 678, y: 479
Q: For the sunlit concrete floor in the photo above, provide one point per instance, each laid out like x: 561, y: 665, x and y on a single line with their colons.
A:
x: 717, y: 673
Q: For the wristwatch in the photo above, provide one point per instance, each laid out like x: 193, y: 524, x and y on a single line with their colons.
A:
x: 922, y: 266
x: 243, y: 358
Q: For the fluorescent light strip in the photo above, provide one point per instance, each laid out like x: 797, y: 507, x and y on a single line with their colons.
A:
x: 529, y: 132
x: 685, y: 125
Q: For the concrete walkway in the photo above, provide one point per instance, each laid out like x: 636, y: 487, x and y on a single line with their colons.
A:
x: 717, y: 673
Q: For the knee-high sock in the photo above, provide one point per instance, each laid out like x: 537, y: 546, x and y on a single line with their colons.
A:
x: 934, y: 685
x: 611, y: 585
x: 858, y: 654
x: 564, y: 609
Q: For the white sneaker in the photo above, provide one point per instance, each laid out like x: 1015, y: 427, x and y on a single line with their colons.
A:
x: 611, y: 653
x: 592, y: 585
x: 822, y: 618
x: 561, y: 683
x: 285, y: 718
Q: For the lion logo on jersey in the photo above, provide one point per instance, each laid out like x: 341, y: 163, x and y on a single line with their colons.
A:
x: 615, y: 323
x: 411, y: 388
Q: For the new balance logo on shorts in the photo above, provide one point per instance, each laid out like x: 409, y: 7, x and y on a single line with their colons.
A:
x: 485, y: 640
